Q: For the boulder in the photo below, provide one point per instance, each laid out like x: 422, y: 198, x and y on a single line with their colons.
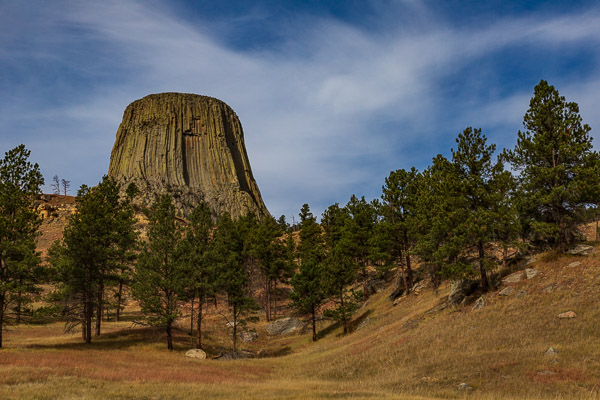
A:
x: 284, y: 326
x: 375, y: 286
x: 551, y: 352
x: 574, y: 264
x: 479, y: 304
x: 513, y: 278
x: 531, y: 273
x: 581, y: 250
x: 196, y: 353
x: 248, y: 336
x: 506, y: 291
x: 567, y: 315
x: 459, y: 290
x: 364, y: 323
x: 464, y: 387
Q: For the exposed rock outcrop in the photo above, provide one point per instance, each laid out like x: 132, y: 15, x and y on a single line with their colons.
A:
x: 190, y: 146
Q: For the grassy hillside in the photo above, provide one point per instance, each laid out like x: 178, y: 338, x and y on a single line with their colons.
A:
x: 414, y: 350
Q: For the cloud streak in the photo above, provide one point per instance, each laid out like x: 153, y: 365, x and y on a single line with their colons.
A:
x: 327, y: 112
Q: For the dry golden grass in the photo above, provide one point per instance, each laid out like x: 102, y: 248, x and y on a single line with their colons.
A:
x: 404, y: 352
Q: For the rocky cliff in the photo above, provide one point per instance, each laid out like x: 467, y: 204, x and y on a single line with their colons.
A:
x: 187, y: 145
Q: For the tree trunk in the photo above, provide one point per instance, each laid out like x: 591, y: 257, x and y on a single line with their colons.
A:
x: 18, y: 318
x: 89, y: 311
x: 314, y: 324
x: 2, y: 300
x: 485, y: 286
x: 119, y: 296
x: 267, y: 300
x: 192, y: 323
x: 234, y: 329
x: 199, y: 322
x: 344, y: 322
x: 365, y: 296
x: 409, y: 271
x: 169, y: 336
x: 99, y: 309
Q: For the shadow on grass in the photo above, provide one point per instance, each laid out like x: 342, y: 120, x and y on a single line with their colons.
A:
x: 122, y: 339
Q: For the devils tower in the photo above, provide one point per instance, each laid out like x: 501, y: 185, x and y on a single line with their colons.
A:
x: 189, y: 146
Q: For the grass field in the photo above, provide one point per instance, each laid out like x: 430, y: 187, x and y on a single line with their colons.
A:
x: 402, y: 352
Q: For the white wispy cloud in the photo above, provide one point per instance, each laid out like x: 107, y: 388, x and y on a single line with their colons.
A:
x: 316, y: 110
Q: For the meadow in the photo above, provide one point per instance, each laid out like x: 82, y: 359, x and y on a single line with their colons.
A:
x: 418, y: 349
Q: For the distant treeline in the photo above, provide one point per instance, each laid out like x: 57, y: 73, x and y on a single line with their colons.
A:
x: 460, y: 217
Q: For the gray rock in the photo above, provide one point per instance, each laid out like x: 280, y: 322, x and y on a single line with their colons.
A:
x: 375, y: 286
x: 439, y: 307
x: 548, y: 289
x: 459, y: 290
x: 248, y: 336
x: 582, y: 250
x: 531, y: 273
x: 574, y: 264
x: 522, y: 293
x: 546, y: 372
x: 420, y: 285
x: 507, y: 291
x: 364, y: 323
x: 479, y: 304
x: 196, y: 353
x: 284, y: 326
x: 513, y: 278
x: 551, y: 352
x: 464, y: 387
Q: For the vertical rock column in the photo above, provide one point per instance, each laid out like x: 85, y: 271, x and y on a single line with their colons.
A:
x: 190, y: 146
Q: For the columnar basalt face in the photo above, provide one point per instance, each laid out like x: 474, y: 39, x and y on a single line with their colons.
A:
x: 187, y: 145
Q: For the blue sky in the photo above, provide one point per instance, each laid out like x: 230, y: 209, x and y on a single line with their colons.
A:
x: 332, y: 95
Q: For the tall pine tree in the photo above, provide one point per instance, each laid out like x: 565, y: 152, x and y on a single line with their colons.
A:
x: 558, y: 170
x: 20, y: 184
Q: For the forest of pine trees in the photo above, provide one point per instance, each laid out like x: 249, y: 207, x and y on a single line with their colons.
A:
x: 459, y: 218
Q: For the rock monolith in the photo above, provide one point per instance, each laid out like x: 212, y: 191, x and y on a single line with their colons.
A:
x: 189, y: 146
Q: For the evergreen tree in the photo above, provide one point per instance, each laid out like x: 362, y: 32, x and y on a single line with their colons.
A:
x: 440, y: 209
x: 398, y: 227
x: 558, y: 169
x: 266, y: 247
x: 20, y: 183
x: 233, y: 274
x: 98, y: 240
x: 482, y: 185
x: 195, y: 249
x: 161, y: 279
x: 340, y: 265
x: 360, y: 230
x: 309, y: 290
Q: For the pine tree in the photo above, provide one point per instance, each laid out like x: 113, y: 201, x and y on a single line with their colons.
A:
x: 232, y: 269
x: 398, y: 227
x: 340, y: 265
x: 20, y: 184
x: 98, y: 240
x: 309, y: 290
x: 195, y: 249
x: 440, y: 209
x: 265, y: 245
x: 482, y: 185
x: 558, y: 171
x: 360, y: 229
x: 160, y: 280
